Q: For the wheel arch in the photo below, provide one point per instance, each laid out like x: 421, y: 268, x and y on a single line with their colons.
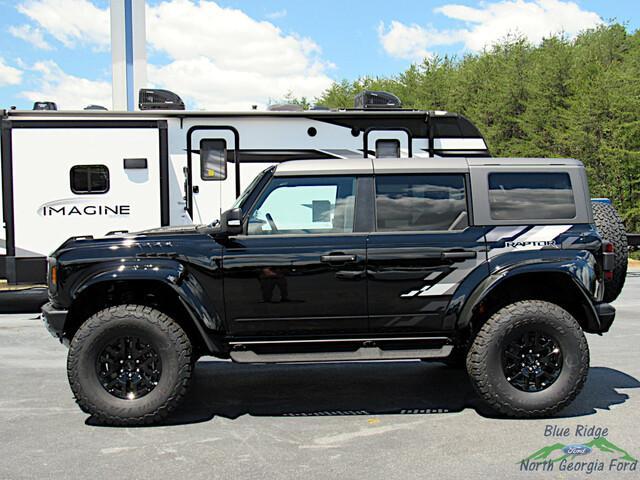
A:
x: 171, y: 291
x: 557, y: 286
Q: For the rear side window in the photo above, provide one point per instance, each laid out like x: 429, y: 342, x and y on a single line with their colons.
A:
x: 420, y: 203
x: 213, y: 159
x: 527, y: 195
x: 89, y: 179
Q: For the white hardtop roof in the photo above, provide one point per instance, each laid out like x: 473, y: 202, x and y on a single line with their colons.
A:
x: 369, y: 166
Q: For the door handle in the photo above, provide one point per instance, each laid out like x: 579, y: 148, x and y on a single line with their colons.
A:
x: 338, y: 258
x: 459, y: 255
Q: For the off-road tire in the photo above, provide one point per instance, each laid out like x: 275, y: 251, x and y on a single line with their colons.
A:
x: 485, y: 368
x: 168, y: 339
x: 611, y: 228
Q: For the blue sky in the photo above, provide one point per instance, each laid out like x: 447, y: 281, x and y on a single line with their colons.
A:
x: 233, y: 53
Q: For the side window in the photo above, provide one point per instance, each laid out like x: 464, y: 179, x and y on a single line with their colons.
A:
x: 213, y: 159
x: 89, y: 179
x: 305, y: 205
x: 387, y: 149
x: 420, y: 203
x: 529, y: 195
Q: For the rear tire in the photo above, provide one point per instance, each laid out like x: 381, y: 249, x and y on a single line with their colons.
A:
x: 611, y: 228
x: 129, y: 365
x: 532, y: 391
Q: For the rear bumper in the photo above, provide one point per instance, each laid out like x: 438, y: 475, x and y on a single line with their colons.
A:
x: 54, y: 320
x: 606, y: 314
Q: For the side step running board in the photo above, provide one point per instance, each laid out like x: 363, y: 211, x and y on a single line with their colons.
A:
x: 362, y: 353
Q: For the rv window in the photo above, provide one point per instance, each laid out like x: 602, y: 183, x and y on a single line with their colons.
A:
x: 387, y: 149
x: 213, y: 159
x: 89, y: 179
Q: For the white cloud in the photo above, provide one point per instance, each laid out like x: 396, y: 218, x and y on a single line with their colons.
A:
x: 410, y: 42
x: 277, y: 14
x: 9, y: 75
x: 207, y: 86
x: 231, y: 58
x: 32, y: 35
x: 490, y: 22
x: 71, y: 22
x: 68, y: 91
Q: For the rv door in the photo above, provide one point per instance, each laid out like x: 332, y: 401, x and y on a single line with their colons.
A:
x: 387, y: 143
x: 211, y: 171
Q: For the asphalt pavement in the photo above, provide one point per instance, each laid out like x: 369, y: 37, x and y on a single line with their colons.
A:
x: 400, y: 420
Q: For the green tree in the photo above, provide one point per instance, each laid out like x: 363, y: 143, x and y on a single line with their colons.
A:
x: 562, y: 98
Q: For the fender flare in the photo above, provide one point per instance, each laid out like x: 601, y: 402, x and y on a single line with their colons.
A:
x: 170, y: 273
x: 494, y: 280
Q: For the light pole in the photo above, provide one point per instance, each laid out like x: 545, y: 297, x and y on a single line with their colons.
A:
x: 128, y: 52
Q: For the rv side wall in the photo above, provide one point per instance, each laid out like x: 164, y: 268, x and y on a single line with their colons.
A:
x: 76, y: 181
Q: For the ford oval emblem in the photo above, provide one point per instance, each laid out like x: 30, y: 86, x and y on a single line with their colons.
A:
x: 576, y: 449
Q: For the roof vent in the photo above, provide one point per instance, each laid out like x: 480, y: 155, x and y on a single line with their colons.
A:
x: 370, y: 99
x: 154, y: 99
x: 45, y: 106
x: 285, y: 107
x: 95, y: 107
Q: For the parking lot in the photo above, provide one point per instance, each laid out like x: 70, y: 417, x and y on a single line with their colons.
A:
x: 361, y: 420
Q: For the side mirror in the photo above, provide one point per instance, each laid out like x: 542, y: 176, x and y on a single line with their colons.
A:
x: 231, y: 222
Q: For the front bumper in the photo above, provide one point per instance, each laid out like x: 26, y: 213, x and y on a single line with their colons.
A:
x: 606, y: 314
x: 54, y: 320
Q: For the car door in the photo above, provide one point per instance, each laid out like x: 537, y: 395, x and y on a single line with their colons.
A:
x: 422, y: 249
x: 300, y: 266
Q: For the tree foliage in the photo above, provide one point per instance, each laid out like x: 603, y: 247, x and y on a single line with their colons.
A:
x: 575, y: 98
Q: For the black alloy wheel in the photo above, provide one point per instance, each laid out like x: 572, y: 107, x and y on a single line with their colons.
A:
x: 129, y: 367
x: 532, y: 361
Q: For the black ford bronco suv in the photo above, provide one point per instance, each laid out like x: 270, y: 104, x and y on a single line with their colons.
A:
x: 495, y: 264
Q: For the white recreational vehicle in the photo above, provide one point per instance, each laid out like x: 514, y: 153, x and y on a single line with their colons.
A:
x: 81, y: 173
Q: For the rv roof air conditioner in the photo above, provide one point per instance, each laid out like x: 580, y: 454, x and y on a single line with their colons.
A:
x: 370, y: 99
x: 154, y: 99
x: 45, y: 106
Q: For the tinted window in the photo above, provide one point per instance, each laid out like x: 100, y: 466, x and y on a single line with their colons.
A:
x: 420, y: 202
x: 89, y: 179
x: 522, y: 196
x: 305, y: 205
x: 213, y: 159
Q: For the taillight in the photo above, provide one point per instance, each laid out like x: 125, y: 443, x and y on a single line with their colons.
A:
x: 608, y: 260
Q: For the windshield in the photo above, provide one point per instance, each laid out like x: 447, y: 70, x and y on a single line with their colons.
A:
x: 239, y: 203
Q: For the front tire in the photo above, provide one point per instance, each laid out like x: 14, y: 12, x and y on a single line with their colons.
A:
x: 530, y: 359
x: 129, y: 365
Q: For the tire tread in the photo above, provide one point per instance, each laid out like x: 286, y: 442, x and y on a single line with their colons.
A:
x: 477, y: 357
x: 160, y: 321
